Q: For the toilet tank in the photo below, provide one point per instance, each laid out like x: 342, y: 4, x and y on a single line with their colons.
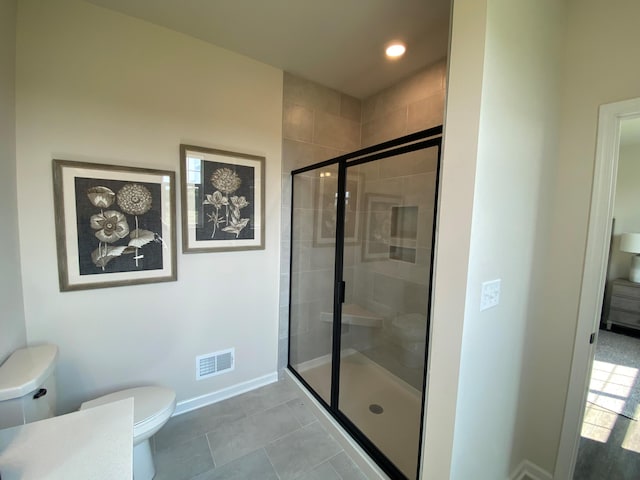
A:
x: 28, y: 386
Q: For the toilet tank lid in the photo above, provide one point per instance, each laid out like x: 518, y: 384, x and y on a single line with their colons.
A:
x: 26, y: 370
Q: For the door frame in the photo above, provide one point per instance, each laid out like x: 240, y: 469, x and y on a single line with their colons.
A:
x: 594, y: 277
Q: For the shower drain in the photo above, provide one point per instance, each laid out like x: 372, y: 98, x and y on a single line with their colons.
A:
x: 375, y: 408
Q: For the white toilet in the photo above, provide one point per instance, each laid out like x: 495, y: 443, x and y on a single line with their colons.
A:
x: 152, y: 407
x: 409, y: 333
x: 28, y: 394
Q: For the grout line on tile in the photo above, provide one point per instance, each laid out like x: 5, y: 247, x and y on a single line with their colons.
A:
x: 283, y: 436
x: 271, y: 463
x: 268, y: 408
x: 213, y: 459
x: 327, y: 460
x: 292, y: 432
x: 336, y: 471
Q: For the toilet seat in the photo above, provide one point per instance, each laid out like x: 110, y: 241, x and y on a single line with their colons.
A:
x: 152, y: 407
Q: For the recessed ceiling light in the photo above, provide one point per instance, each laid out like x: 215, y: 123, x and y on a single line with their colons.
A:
x: 395, y: 50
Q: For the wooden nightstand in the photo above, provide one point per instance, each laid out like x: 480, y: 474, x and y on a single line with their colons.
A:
x: 624, y: 308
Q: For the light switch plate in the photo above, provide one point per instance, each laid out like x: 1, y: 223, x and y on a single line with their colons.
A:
x: 490, y: 295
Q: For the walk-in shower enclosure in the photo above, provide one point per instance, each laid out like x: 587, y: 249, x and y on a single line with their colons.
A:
x: 362, y: 234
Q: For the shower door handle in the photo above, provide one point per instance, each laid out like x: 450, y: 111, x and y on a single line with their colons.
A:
x: 343, y: 287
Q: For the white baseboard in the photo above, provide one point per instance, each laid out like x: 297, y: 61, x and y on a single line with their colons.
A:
x: 214, y: 397
x: 528, y: 469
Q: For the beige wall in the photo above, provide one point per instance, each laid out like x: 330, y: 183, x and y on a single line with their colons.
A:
x: 516, y: 156
x: 97, y: 86
x: 606, y: 36
x: 12, y: 326
x: 464, y: 89
x: 503, y: 91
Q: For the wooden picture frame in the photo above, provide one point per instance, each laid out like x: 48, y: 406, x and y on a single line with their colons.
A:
x: 223, y: 200
x: 115, y: 225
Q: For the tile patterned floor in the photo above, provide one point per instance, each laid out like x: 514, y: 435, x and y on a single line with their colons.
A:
x: 269, y: 433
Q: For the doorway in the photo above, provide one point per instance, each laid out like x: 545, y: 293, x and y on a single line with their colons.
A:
x: 611, y: 118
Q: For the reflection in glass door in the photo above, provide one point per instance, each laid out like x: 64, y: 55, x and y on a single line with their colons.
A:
x: 361, y: 243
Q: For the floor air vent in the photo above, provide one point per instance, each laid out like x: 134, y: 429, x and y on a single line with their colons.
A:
x: 215, y: 363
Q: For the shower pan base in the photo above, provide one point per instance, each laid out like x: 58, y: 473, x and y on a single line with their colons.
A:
x: 363, y: 383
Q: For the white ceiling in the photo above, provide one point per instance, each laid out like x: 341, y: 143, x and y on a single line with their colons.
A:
x: 338, y: 43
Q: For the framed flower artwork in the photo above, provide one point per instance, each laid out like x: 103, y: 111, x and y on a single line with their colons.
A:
x: 115, y: 225
x: 222, y: 200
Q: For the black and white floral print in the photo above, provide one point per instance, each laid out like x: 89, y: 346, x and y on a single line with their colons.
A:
x: 125, y: 223
x: 226, y: 212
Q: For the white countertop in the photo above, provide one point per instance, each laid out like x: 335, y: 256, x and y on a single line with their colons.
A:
x: 92, y: 444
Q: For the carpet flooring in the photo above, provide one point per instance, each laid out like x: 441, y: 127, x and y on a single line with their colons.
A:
x: 610, y: 436
x: 615, y: 378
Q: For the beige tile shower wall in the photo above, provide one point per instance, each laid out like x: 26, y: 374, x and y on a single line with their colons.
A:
x: 319, y: 123
x: 392, y: 287
x: 312, y: 286
x: 414, y: 104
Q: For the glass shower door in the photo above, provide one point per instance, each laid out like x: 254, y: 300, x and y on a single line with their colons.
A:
x: 361, y: 264
x: 313, y: 247
x: 387, y: 270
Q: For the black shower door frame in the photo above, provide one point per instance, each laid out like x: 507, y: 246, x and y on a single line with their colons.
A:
x: 417, y: 141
